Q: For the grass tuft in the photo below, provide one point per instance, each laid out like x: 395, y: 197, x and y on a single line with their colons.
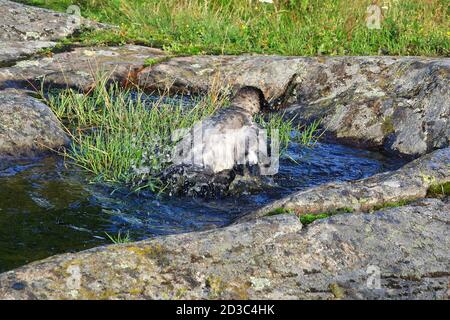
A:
x: 309, y: 135
x: 439, y: 190
x: 119, y: 238
x: 153, y: 61
x: 306, y: 135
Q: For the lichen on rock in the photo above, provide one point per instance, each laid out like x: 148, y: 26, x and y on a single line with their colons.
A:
x: 271, y: 258
x: 27, y: 126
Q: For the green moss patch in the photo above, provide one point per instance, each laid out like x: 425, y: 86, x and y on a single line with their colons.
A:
x: 153, y: 61
x: 306, y: 219
x: 392, y: 204
x: 277, y: 211
x: 387, y: 126
x: 310, y: 218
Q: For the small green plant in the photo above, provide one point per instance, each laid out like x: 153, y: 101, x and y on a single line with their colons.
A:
x: 388, y: 126
x: 336, y: 290
x: 61, y: 46
x: 308, y: 218
x: 119, y: 238
x: 277, y: 121
x: 439, y: 190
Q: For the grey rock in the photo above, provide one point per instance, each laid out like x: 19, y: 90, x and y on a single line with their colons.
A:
x: 20, y: 22
x: 403, y: 250
x: 27, y: 126
x: 24, y: 30
x: 410, y: 182
x: 78, y: 68
x: 401, y: 104
x: 12, y: 51
x: 197, y: 74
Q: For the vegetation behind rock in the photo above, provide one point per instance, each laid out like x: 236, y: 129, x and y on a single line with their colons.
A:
x: 288, y: 27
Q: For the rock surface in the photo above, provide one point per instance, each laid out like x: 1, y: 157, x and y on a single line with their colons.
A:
x: 27, y: 126
x: 25, y: 30
x: 197, y: 74
x: 410, y: 182
x: 403, y: 250
x: 401, y: 104
x: 78, y: 68
x: 12, y: 51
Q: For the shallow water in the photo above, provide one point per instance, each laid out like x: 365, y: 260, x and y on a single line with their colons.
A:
x: 46, y: 208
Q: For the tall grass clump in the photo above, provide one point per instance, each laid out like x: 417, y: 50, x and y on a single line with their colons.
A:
x: 119, y: 238
x: 120, y: 136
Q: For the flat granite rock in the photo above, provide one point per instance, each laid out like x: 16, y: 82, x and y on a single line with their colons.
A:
x: 396, y: 253
x: 78, y: 68
x: 27, y: 126
x: 197, y: 74
x: 410, y: 182
x: 401, y: 104
x: 24, y: 30
x: 12, y: 51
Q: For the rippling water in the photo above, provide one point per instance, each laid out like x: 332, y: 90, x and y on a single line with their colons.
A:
x: 46, y: 208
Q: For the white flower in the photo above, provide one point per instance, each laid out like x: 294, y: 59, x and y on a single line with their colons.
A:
x: 266, y: 1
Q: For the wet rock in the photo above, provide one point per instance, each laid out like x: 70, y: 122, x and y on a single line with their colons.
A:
x: 78, y: 68
x: 27, y: 126
x: 400, y: 104
x: 395, y: 253
x: 25, y: 30
x: 410, y: 182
